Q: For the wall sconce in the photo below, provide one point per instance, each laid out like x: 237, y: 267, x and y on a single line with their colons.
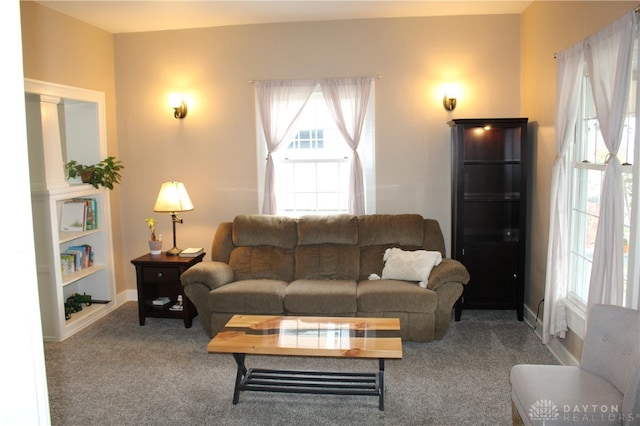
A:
x: 179, y: 105
x: 449, y: 103
x: 450, y: 99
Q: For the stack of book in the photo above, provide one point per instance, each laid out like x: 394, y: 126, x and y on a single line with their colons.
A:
x: 191, y: 252
x: 161, y: 301
x: 79, y: 214
x: 76, y: 258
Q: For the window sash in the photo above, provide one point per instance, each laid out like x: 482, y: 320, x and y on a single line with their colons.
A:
x: 589, y: 155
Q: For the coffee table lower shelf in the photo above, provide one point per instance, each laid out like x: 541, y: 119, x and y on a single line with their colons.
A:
x: 313, y: 382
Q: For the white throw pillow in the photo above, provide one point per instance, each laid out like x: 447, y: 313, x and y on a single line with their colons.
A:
x: 410, y: 265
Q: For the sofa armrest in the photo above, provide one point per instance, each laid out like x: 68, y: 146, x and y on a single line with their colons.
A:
x: 211, y: 274
x: 447, y: 280
x: 447, y: 271
x: 198, y: 281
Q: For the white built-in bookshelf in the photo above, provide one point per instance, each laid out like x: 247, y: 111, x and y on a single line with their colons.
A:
x: 63, y: 124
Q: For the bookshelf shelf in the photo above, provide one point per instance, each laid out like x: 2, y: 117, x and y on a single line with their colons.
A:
x: 65, y: 237
x: 78, y: 275
x: 65, y: 123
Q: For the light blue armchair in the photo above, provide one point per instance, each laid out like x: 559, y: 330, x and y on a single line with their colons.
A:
x: 603, y: 390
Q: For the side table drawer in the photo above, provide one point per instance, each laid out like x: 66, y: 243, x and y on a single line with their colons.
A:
x: 161, y: 275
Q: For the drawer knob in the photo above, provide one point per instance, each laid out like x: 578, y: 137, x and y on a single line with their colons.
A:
x: 159, y: 274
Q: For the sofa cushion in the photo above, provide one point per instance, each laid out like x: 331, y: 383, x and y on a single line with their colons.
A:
x: 327, y: 261
x: 249, y: 297
x: 264, y: 230
x: 392, y: 230
x: 321, y: 297
x: 337, y: 229
x: 395, y: 295
x: 262, y: 262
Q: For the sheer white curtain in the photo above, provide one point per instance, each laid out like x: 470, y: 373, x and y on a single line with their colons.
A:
x: 279, y: 105
x: 608, y: 57
x: 570, y: 70
x: 347, y: 100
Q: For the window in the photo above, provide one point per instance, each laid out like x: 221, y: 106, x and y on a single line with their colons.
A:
x: 312, y: 170
x: 589, y: 156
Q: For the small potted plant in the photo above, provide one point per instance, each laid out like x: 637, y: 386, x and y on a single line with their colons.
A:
x: 105, y: 173
x: 155, y: 243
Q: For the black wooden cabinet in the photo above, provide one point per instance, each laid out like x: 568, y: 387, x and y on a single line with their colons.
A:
x: 488, y: 171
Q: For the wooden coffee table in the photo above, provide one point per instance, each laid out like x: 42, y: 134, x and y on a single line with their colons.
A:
x: 352, y: 337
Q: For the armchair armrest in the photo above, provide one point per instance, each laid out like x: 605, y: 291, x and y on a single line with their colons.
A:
x: 210, y: 274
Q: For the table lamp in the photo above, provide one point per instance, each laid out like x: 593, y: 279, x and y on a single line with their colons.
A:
x: 173, y: 198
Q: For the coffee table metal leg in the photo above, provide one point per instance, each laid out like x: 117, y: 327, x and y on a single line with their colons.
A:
x: 381, y: 380
x: 242, y: 371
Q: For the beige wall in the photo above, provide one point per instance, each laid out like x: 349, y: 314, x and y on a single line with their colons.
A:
x: 62, y: 50
x: 547, y: 28
x: 496, y: 59
x: 213, y: 150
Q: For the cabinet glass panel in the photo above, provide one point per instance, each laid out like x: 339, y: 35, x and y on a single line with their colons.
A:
x: 492, y: 181
x: 491, y: 144
x: 491, y: 221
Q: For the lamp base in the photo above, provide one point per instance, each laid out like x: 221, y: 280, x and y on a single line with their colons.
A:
x: 173, y: 251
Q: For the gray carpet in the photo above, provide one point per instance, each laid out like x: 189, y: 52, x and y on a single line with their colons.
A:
x: 118, y: 373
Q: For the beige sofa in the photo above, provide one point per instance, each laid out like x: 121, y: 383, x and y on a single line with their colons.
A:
x: 320, y: 266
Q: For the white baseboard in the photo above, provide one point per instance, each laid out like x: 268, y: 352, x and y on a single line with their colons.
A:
x: 126, y: 296
x: 557, y: 349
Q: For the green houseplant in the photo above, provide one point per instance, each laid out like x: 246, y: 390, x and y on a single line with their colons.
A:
x: 105, y: 173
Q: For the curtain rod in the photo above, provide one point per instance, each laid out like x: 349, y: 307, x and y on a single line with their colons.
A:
x: 636, y: 10
x: 372, y: 76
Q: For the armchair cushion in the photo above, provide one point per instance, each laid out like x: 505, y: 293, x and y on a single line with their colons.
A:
x: 604, y: 389
x: 566, y: 391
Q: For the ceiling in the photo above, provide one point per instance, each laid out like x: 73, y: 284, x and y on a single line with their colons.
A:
x: 150, y: 15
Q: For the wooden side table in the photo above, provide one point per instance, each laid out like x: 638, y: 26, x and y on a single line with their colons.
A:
x: 159, y: 275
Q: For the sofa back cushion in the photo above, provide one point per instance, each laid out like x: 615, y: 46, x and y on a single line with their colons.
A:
x: 335, y: 229
x: 264, y: 230
x: 262, y: 262
x: 264, y: 247
x: 379, y: 232
x: 390, y: 229
x: 327, y: 248
x: 327, y: 262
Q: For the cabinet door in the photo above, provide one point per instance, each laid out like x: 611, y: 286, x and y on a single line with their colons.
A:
x: 493, y: 268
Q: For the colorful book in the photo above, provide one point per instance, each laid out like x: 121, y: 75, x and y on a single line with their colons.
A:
x: 72, y: 215
x: 67, y: 263
x: 91, y: 213
x: 84, y: 255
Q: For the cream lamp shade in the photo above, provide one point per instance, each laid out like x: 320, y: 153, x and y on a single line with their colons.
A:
x: 173, y: 197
